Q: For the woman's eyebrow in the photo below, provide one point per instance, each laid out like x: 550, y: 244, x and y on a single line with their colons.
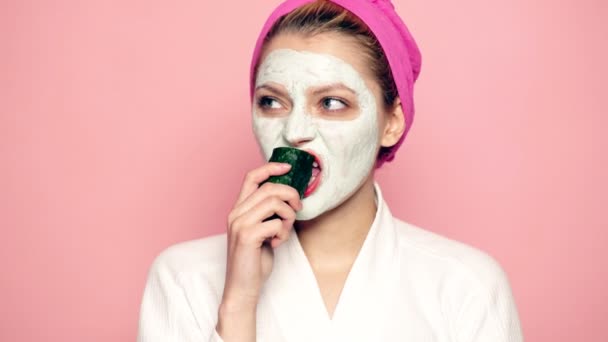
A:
x: 327, y: 88
x: 270, y: 88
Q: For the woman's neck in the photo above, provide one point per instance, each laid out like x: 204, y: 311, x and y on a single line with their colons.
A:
x: 332, y: 240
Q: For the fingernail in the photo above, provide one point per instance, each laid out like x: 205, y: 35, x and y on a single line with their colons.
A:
x: 285, y: 166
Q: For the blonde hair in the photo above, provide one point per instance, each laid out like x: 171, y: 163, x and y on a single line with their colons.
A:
x: 323, y: 16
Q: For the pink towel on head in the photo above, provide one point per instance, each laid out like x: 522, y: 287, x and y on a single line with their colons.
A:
x: 398, y: 44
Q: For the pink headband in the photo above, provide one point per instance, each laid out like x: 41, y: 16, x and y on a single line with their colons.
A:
x: 398, y: 44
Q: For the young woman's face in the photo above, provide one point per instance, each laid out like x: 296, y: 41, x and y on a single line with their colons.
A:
x: 316, y: 94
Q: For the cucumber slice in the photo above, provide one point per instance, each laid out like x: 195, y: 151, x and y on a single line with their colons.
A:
x: 301, y: 168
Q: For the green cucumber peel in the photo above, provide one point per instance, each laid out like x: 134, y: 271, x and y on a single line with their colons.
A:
x: 301, y: 168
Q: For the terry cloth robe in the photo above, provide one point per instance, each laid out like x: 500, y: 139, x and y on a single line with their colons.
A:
x: 406, y: 284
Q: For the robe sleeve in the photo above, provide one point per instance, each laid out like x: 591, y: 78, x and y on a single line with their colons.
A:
x: 488, y: 312
x: 166, y: 314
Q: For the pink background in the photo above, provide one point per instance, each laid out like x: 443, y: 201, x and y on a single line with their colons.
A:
x: 116, y: 118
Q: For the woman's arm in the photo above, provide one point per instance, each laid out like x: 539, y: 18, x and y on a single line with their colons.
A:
x: 166, y: 314
x: 488, y: 311
x: 237, y: 323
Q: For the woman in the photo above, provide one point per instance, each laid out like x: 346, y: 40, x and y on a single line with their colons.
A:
x: 335, y: 79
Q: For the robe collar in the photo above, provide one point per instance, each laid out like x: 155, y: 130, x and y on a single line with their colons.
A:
x: 295, y: 300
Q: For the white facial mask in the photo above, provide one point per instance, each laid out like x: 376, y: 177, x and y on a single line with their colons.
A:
x: 347, y: 148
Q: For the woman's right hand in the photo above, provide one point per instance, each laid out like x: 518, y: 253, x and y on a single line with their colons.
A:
x: 250, y: 259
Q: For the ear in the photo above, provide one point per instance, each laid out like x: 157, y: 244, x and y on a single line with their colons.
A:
x: 394, y: 125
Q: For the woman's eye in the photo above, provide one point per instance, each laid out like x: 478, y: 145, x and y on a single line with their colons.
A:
x: 269, y: 102
x: 331, y: 103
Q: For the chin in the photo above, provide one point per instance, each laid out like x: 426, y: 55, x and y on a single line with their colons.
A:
x: 308, y: 213
x: 301, y: 216
x: 314, y: 206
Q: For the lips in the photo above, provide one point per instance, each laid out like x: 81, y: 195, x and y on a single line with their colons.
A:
x: 315, y: 179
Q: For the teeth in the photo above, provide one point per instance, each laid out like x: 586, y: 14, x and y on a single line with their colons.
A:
x: 315, y: 164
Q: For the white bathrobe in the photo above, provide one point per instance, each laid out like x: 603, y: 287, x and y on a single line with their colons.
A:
x: 406, y: 284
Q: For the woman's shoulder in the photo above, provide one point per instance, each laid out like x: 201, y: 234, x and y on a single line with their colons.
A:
x: 447, y: 256
x: 207, y: 254
x: 468, y: 282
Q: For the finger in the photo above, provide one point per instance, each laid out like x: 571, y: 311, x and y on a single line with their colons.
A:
x: 279, y: 239
x: 281, y: 235
x: 265, y: 209
x: 259, y: 233
x: 256, y: 176
x: 282, y: 191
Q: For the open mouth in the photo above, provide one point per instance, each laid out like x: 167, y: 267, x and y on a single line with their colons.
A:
x: 315, y: 179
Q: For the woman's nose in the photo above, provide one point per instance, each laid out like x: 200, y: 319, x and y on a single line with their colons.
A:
x: 299, y: 128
